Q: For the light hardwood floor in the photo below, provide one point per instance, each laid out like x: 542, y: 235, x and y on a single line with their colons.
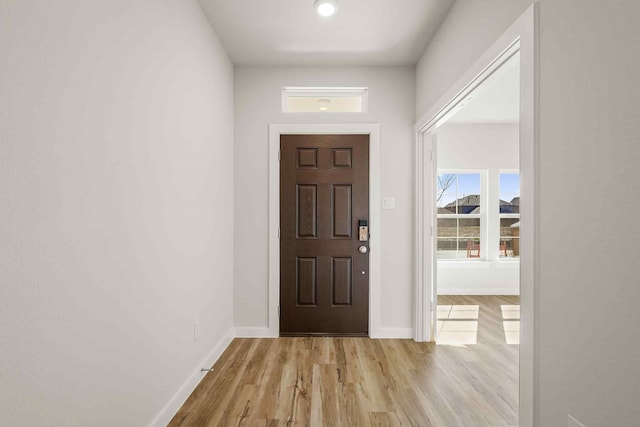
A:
x: 365, y: 382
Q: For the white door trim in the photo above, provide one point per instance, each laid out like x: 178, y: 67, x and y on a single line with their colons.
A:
x: 522, y: 36
x: 373, y: 130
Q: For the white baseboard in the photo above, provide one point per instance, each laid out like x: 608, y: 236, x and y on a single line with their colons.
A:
x: 178, y: 399
x: 475, y: 291
x: 249, y: 332
x: 393, y: 333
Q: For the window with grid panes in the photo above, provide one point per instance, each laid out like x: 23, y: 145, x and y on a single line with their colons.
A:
x: 509, y: 215
x: 459, y: 215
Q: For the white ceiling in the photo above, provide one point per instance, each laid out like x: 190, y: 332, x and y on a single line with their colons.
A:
x: 362, y: 32
x: 497, y: 99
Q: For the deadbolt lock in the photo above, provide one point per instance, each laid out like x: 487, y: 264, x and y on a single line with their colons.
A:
x: 363, y: 230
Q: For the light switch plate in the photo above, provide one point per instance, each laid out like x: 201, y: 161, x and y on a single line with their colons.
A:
x: 388, y: 203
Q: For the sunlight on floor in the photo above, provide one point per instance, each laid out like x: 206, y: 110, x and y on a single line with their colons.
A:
x: 511, y: 323
x: 457, y: 325
x: 458, y: 311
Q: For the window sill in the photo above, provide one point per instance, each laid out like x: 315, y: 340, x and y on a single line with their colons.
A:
x: 478, y: 264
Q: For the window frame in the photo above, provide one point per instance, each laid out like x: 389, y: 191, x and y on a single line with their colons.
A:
x: 324, y: 92
x: 482, y: 216
x: 506, y: 216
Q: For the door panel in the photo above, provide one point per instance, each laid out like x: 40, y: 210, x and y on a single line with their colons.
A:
x: 342, y: 217
x: 341, y: 281
x: 307, y: 208
x: 306, y: 283
x: 324, y: 192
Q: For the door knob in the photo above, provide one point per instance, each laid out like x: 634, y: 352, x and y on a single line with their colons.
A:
x: 363, y: 249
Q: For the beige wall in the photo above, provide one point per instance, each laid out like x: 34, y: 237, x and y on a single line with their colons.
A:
x: 116, y: 207
x: 589, y: 342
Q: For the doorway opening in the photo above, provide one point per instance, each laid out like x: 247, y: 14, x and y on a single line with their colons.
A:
x: 474, y: 240
x: 477, y: 211
x: 477, y: 233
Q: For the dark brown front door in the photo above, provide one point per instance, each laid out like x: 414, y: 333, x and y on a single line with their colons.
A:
x: 324, y: 193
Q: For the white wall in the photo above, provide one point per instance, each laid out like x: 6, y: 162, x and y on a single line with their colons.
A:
x: 478, y: 146
x: 588, y: 344
x: 490, y: 147
x: 116, y: 209
x: 257, y: 101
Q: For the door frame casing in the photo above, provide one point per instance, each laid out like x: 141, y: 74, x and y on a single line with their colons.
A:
x: 371, y: 129
x: 522, y: 34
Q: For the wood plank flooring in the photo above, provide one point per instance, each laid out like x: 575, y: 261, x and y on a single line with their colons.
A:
x: 364, y: 382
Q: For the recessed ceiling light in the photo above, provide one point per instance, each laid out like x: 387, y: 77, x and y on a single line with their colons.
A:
x: 325, y: 7
x: 323, y: 108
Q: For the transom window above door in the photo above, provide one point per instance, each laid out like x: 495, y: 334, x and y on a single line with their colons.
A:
x: 324, y: 100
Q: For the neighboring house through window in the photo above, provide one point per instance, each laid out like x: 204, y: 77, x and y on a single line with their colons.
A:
x: 466, y: 228
x: 460, y: 215
x: 509, y: 215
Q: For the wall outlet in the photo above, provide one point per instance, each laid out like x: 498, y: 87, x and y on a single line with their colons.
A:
x: 572, y: 422
x: 196, y: 331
